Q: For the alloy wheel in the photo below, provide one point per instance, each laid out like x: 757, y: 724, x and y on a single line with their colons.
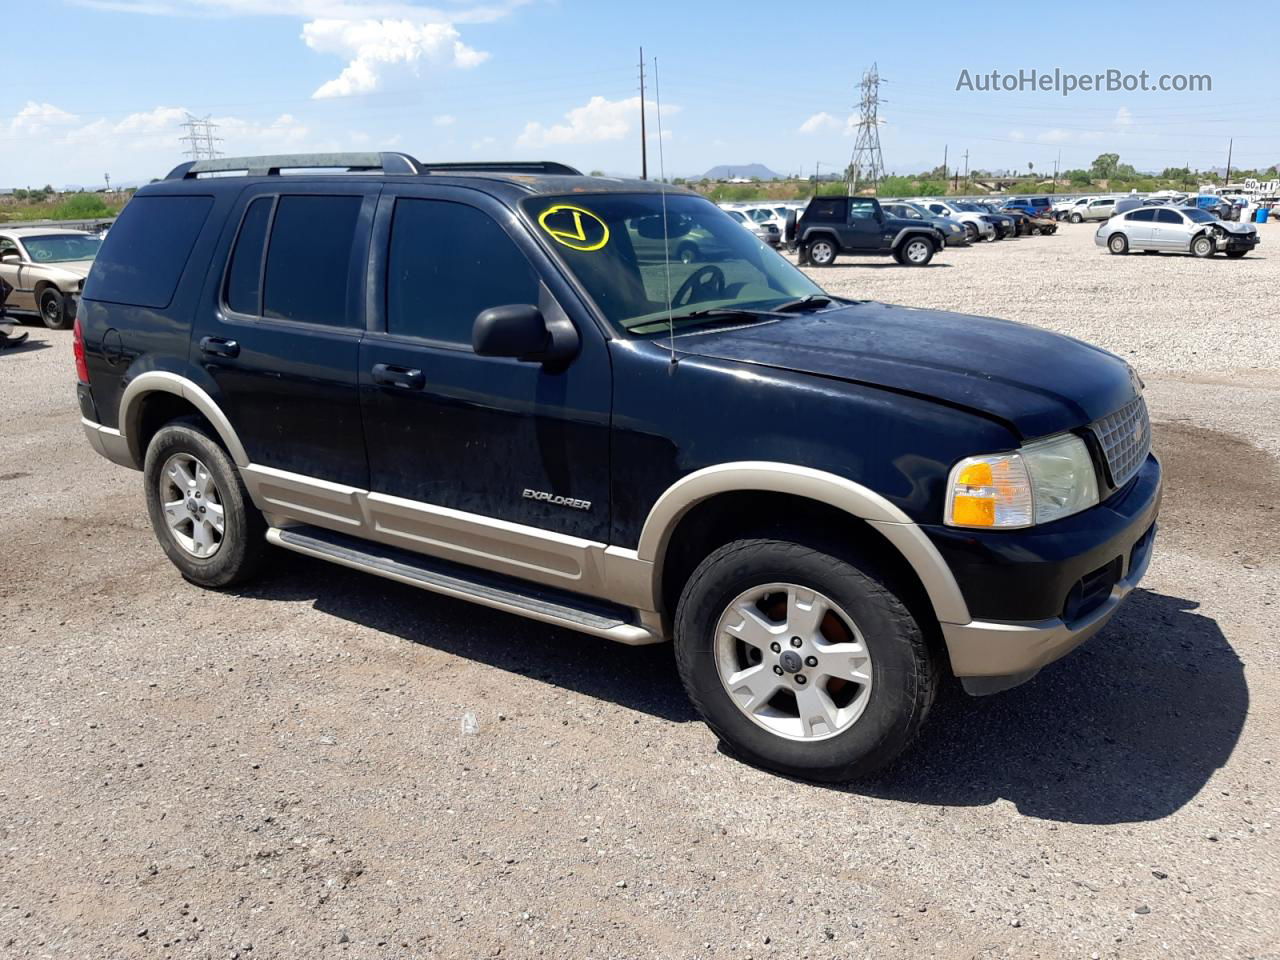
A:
x: 793, y: 661
x: 192, y: 505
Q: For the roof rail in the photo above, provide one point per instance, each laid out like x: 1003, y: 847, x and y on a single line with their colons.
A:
x: 390, y: 163
x: 503, y: 166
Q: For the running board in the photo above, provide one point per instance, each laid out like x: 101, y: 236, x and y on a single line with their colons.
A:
x: 464, y: 583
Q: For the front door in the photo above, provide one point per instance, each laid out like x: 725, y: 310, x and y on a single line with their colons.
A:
x: 462, y: 446
x: 863, y: 229
x: 1170, y: 230
x: 282, y: 346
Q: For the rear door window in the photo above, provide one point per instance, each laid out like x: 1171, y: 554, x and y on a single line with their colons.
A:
x: 146, y: 250
x: 244, y: 279
x: 309, y: 259
x: 1168, y: 216
x: 1142, y: 215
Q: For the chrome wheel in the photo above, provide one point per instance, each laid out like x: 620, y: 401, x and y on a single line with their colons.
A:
x: 192, y: 505
x: 793, y: 661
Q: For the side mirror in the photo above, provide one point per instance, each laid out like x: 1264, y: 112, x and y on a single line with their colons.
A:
x: 11, y: 256
x: 516, y: 330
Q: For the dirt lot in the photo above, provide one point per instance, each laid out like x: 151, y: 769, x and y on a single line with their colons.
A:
x: 282, y: 772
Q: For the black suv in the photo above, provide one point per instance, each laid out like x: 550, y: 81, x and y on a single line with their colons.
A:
x: 830, y: 226
x: 497, y: 383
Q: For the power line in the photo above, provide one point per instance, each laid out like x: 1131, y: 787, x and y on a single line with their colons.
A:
x: 867, y: 162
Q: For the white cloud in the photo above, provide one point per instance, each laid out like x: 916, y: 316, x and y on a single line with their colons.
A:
x: 819, y: 122
x: 445, y: 120
x: 1123, y: 117
x: 372, y: 46
x: 599, y: 119
x: 36, y: 118
x: 309, y: 9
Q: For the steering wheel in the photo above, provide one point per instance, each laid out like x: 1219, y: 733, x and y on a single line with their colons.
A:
x: 705, y: 283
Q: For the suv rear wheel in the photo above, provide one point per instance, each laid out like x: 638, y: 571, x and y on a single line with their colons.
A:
x: 822, y: 252
x: 1076, y: 218
x: 802, y: 661
x: 200, y: 509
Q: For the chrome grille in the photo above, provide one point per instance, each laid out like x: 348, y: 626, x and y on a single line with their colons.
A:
x: 1125, y: 437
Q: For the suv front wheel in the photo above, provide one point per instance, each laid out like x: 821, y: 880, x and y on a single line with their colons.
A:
x: 914, y: 252
x: 803, y: 661
x: 200, y: 509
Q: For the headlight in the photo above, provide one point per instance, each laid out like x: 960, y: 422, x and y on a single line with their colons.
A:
x: 1046, y: 480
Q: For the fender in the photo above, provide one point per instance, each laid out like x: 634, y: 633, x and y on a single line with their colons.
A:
x: 160, y: 380
x: 829, y: 488
x: 930, y: 234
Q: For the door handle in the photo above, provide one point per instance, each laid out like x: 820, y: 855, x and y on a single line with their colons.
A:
x: 403, y: 377
x: 218, y: 347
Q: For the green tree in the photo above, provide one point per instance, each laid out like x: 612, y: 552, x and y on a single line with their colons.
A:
x: 1105, y: 165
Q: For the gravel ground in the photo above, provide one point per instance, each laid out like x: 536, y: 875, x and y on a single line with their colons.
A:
x: 284, y: 772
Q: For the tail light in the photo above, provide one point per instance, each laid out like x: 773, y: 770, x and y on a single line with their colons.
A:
x: 77, y: 347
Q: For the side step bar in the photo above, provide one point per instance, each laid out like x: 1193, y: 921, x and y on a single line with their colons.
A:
x: 464, y: 583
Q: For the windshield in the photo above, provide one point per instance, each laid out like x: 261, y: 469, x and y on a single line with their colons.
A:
x: 614, y: 244
x: 61, y: 248
x: 1197, y: 215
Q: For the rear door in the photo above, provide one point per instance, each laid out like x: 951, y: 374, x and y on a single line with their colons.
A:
x: 283, y: 344
x: 460, y: 442
x: 1141, y: 228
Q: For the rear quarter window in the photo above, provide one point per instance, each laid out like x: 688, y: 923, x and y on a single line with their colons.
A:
x: 146, y: 250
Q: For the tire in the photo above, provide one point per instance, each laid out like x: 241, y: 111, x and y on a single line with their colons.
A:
x: 1076, y: 218
x: 1202, y: 246
x: 822, y: 252
x: 1236, y: 254
x: 971, y: 232
x: 238, y: 550
x: 867, y: 725
x: 55, y: 309
x: 1118, y: 244
x: 687, y: 253
x: 1035, y: 231
x: 915, y: 252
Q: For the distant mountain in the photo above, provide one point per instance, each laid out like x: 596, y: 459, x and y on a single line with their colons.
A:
x: 748, y: 171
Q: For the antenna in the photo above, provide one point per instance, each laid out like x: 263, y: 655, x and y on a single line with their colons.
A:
x: 666, y: 240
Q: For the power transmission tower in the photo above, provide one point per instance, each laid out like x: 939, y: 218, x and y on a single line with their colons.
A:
x: 200, y: 138
x: 867, y: 163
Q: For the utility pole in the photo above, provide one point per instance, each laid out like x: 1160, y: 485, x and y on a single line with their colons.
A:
x: 1230, y: 144
x: 107, y: 177
x: 1056, y: 163
x: 644, y: 142
x: 945, y: 147
x: 966, y: 169
x: 867, y: 162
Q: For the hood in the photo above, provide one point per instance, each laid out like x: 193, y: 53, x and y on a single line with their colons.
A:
x: 1233, y: 226
x: 1034, y: 381
x: 68, y: 270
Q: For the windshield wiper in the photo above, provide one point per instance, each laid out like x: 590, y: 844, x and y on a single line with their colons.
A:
x: 725, y: 313
x: 813, y: 301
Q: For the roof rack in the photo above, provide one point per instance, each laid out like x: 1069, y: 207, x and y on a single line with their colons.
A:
x: 387, y: 163
x: 503, y: 166
x: 390, y: 163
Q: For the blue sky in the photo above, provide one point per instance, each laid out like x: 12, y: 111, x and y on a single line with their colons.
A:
x: 750, y: 81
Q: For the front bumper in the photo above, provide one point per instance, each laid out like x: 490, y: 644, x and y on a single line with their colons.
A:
x: 1036, y: 595
x: 1238, y: 241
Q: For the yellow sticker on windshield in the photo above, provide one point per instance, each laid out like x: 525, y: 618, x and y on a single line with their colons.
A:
x: 575, y: 227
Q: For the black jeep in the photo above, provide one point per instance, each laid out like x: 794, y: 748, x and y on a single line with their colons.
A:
x: 497, y: 382
x: 830, y: 226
